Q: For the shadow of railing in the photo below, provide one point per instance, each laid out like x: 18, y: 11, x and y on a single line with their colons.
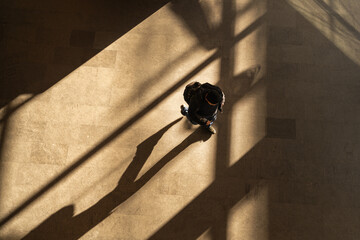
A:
x: 333, y: 14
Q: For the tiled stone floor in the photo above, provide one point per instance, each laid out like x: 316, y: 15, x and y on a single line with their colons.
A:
x: 93, y: 145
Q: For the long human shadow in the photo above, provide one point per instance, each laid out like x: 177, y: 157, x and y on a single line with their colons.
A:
x: 64, y: 225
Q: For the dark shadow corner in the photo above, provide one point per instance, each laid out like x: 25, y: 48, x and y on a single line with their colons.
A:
x: 41, y: 42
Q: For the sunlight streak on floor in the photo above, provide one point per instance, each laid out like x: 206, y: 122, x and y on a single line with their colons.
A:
x: 248, y: 219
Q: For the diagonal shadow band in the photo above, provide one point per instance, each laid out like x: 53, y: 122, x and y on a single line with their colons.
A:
x: 63, y: 225
x: 126, y: 125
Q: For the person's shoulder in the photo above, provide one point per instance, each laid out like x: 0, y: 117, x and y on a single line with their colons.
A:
x: 211, y: 87
x: 207, y: 85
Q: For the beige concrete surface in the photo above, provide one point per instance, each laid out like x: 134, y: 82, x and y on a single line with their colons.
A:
x: 93, y: 145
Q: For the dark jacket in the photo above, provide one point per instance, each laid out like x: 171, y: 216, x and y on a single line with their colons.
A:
x: 199, y: 109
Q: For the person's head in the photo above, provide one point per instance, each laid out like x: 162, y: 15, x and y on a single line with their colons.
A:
x: 213, y: 97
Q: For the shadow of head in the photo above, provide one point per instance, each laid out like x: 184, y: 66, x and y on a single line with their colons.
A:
x: 249, y: 75
x: 243, y: 82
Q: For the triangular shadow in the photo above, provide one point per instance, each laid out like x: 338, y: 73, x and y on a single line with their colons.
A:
x: 43, y: 41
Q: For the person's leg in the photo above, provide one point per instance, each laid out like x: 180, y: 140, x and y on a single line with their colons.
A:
x: 209, y: 127
x: 185, y: 112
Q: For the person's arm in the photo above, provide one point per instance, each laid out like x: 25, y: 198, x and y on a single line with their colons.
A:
x: 222, y: 102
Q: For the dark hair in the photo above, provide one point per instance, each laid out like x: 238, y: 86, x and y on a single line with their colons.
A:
x: 213, y: 96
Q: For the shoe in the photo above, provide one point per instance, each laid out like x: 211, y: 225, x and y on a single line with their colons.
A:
x: 183, y: 110
x: 211, y: 129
